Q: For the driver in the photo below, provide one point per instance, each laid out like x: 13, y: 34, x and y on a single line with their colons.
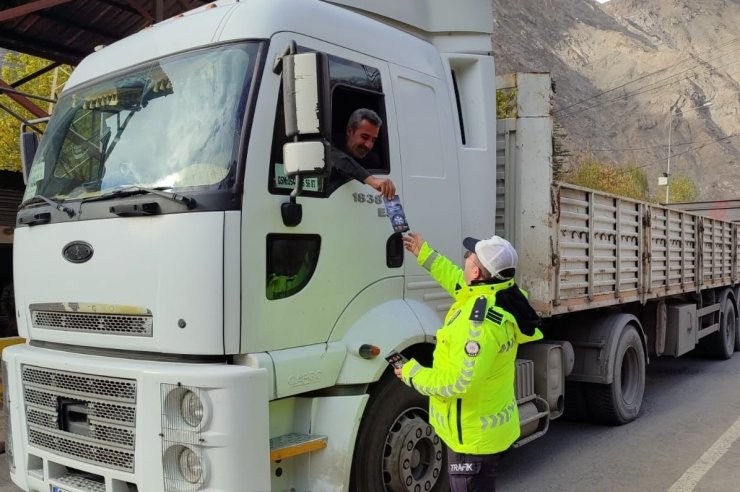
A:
x: 355, y: 158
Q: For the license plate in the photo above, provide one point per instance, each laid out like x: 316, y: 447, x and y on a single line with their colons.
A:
x: 54, y: 488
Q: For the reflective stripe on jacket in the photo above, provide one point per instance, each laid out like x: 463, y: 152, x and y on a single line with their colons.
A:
x: 472, y: 405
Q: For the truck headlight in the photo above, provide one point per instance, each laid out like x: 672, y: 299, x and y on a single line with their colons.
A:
x: 186, y: 413
x: 191, y: 408
x: 191, y: 467
x: 184, y: 407
x: 183, y: 464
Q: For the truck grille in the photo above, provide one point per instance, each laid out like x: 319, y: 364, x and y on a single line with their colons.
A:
x: 81, y: 416
x: 77, y: 482
x: 60, y: 317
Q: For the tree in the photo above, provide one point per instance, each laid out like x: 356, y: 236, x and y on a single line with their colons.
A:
x: 15, y: 67
x: 627, y: 180
x: 682, y: 189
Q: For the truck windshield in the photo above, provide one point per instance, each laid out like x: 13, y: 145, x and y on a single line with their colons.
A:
x: 173, y: 123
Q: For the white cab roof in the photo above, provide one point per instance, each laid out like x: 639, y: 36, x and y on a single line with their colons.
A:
x: 407, y: 44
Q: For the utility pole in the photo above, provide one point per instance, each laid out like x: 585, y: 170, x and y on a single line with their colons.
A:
x: 670, y: 128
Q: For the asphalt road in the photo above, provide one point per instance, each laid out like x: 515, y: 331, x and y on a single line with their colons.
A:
x: 687, y: 438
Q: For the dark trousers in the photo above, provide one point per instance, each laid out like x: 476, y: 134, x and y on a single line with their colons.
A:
x: 472, y: 472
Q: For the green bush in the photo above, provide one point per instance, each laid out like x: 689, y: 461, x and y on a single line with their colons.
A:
x: 681, y: 189
x: 628, y: 181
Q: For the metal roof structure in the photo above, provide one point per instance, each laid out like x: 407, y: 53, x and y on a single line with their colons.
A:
x: 65, y: 31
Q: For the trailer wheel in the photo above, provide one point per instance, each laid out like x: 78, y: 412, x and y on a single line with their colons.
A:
x: 737, y: 319
x: 721, y: 344
x: 619, y: 402
x: 396, y: 449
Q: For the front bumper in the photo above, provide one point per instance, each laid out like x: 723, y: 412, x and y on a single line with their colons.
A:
x: 90, y: 423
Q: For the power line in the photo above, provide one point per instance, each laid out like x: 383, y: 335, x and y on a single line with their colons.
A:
x: 652, y: 147
x: 648, y: 88
x: 688, y: 58
x: 687, y: 151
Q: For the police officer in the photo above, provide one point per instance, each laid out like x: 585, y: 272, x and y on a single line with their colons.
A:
x: 472, y: 405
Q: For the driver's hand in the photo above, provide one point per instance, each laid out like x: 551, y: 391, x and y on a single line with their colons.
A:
x: 384, y: 186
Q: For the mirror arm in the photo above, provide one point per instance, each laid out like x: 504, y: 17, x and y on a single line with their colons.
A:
x: 292, y: 212
x: 290, y: 49
x: 297, y: 190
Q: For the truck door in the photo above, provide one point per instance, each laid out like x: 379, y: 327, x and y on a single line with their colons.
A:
x: 296, y: 281
x: 431, y: 177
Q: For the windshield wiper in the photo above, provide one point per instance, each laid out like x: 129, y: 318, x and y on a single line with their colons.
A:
x: 57, y: 205
x: 141, y: 190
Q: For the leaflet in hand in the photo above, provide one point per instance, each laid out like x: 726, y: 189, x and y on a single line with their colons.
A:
x: 395, y: 212
x: 396, y: 359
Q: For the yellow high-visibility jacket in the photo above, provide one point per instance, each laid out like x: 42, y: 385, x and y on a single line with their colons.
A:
x: 472, y: 405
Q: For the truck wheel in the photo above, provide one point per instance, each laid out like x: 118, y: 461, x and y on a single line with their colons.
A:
x: 721, y: 344
x: 737, y: 333
x: 737, y: 319
x: 396, y: 449
x: 619, y: 402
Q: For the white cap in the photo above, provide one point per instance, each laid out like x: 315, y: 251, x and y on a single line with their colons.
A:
x: 495, y: 254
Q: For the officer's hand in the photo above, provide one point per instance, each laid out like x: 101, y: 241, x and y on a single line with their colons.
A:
x: 412, y: 242
x: 398, y: 371
x: 384, y: 186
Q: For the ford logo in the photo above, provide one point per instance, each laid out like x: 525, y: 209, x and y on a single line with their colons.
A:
x: 77, y: 252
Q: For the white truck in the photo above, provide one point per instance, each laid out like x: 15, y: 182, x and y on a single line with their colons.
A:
x: 207, y: 307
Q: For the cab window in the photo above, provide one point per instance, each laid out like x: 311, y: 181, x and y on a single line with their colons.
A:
x: 353, y: 86
x: 291, y: 262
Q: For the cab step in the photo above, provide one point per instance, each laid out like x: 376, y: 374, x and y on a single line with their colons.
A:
x: 290, y: 445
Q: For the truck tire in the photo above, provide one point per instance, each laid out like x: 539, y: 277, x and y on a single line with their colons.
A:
x: 396, y: 448
x: 737, y: 319
x: 619, y: 402
x: 721, y: 344
x: 737, y: 333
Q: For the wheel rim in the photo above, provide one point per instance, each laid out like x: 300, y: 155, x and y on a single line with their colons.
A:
x: 729, y: 321
x: 630, y: 376
x: 413, y: 454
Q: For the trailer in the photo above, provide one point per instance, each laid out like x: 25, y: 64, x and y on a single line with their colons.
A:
x: 716, y: 209
x: 619, y: 279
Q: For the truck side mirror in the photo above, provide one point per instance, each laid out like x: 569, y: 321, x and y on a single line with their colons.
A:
x: 307, y: 107
x: 303, y: 159
x: 29, y: 144
x: 306, y: 97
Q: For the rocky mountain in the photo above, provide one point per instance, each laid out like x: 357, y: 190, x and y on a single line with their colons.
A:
x: 632, y: 74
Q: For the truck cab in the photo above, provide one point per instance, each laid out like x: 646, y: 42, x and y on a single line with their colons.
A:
x: 154, y: 226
